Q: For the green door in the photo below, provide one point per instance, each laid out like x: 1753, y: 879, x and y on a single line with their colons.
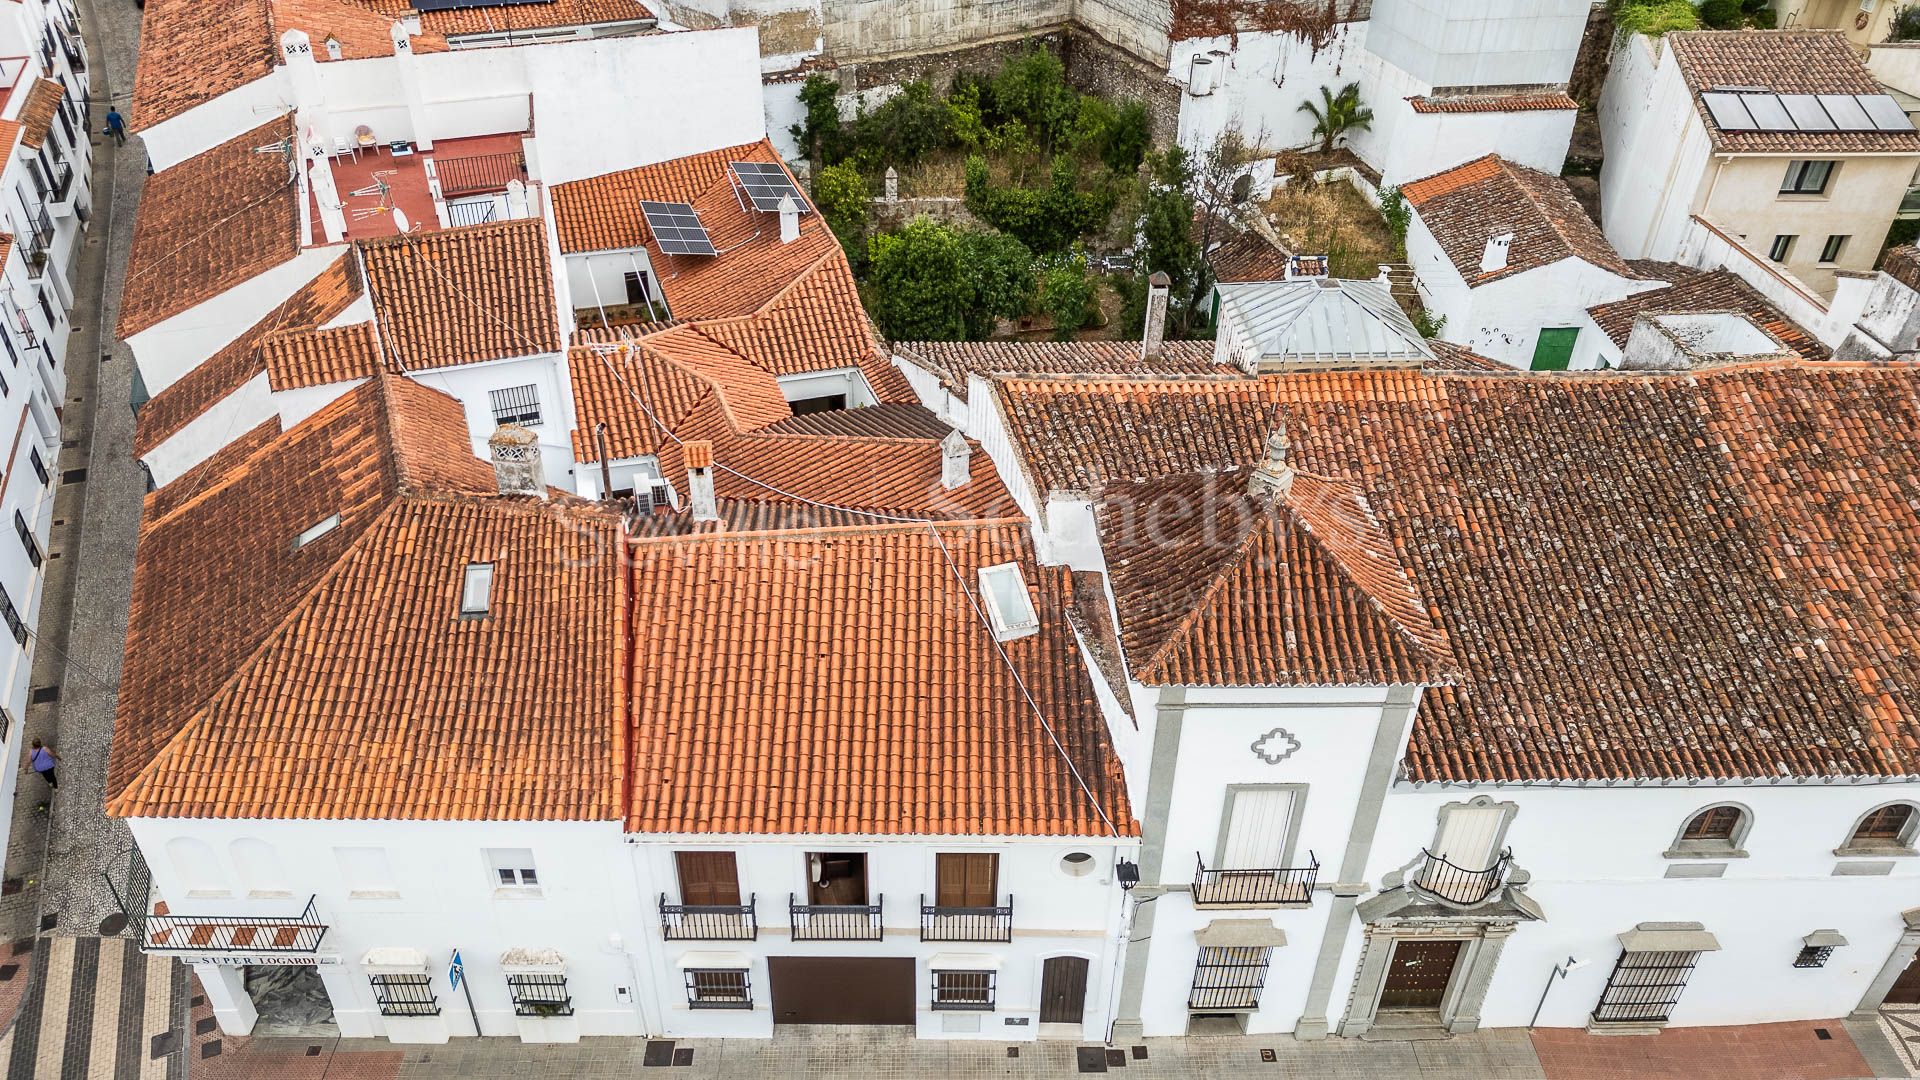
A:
x: 1555, y: 348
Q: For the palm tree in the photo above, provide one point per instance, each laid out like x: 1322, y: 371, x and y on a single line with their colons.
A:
x: 1342, y: 113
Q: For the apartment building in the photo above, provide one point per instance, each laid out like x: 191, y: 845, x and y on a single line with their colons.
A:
x: 46, y: 182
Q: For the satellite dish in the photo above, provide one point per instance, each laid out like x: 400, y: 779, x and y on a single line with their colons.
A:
x: 400, y: 221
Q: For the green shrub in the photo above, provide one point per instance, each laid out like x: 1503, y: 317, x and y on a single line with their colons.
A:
x: 1046, y: 219
x: 1722, y: 14
x: 1066, y: 292
x: 902, y: 129
x: 844, y: 200
x: 1654, y: 17
x: 1397, y: 214
x: 1032, y: 88
x: 821, y: 133
x: 933, y: 282
x: 1905, y: 24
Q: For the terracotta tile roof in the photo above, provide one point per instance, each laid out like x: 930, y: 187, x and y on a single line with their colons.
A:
x: 311, y: 356
x: 1782, y: 62
x: 1738, y: 542
x: 220, y: 375
x: 888, y: 476
x: 954, y: 361
x: 188, y: 485
x: 9, y: 129
x: 605, y: 386
x: 208, y: 224
x: 535, y: 16
x: 1450, y: 357
x: 1903, y: 265
x: 1718, y: 290
x: 6, y: 243
x: 192, y: 51
x: 363, y: 33
x: 731, y: 734
x: 465, y: 295
x: 1216, y: 586
x: 883, y: 421
x: 1248, y: 257
x: 245, y: 691
x: 1468, y: 205
x: 1557, y: 100
x: 37, y: 111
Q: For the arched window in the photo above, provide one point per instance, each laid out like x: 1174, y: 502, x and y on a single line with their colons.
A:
x: 1715, y: 832
x: 1884, y: 830
x: 259, y: 866
x: 197, y: 866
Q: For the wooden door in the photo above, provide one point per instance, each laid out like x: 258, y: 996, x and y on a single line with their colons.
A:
x: 1256, y: 829
x: 842, y: 989
x: 1555, y: 348
x: 966, y: 880
x: 1063, y: 989
x: 1418, y: 974
x: 1906, y: 988
x: 708, y: 878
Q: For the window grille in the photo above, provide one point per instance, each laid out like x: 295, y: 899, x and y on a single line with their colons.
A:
x: 12, y: 616
x: 718, y: 988
x: 26, y: 538
x: 963, y: 990
x: 39, y: 467
x: 1227, y: 978
x: 1644, y: 987
x: 540, y: 995
x: 405, y: 995
x: 1813, y: 956
x: 516, y: 405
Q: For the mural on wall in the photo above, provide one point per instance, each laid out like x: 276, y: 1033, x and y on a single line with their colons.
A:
x: 1276, y: 746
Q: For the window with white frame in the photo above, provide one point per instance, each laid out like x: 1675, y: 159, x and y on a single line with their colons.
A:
x: 516, y: 405
x: 513, y: 868
x: 1806, y: 177
x: 476, y: 591
x: 1009, y: 607
x: 963, y: 990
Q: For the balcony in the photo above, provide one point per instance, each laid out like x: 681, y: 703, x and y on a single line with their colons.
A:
x: 833, y: 922
x: 61, y: 190
x: 1278, y: 887
x: 169, y: 933
x: 43, y: 227
x: 709, y: 922
x: 479, y: 174
x: 939, y: 923
x: 34, y: 254
x: 1459, y: 885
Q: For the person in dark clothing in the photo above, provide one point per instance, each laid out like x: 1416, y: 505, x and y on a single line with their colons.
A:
x: 116, y: 126
x: 42, y: 758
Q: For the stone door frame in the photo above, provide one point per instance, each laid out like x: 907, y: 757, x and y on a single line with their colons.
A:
x: 1481, y: 943
x: 1904, y: 951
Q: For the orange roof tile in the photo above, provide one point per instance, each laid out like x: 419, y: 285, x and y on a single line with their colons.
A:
x: 1468, y: 205
x: 1717, y: 290
x: 192, y: 51
x: 465, y: 295
x: 1640, y: 575
x: 311, y: 356
x: 37, y: 111
x: 220, y: 375
x: 208, y: 224
x: 1553, y: 100
x: 1782, y: 62
x: 9, y: 132
x: 454, y: 22
x: 245, y: 692
x: 842, y: 682
x: 362, y: 33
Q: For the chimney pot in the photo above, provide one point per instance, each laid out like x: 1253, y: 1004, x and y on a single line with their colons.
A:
x: 1159, y: 286
x: 515, y: 453
x: 956, y: 460
x: 1495, y: 257
x: 699, y: 455
x: 789, y: 219
x: 1274, y: 476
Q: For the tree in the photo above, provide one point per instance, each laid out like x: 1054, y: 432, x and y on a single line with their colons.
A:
x: 820, y: 131
x: 1169, y: 244
x: 1032, y: 88
x: 933, y: 282
x: 843, y: 198
x: 1046, y: 219
x: 1338, y: 114
x: 1905, y: 24
x: 1066, y: 293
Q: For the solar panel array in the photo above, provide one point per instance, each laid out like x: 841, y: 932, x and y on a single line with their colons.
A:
x: 676, y: 228
x: 766, y: 184
x: 1746, y: 111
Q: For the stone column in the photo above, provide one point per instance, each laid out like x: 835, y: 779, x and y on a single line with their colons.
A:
x: 226, y: 989
x: 1127, y: 1025
x: 1479, y: 976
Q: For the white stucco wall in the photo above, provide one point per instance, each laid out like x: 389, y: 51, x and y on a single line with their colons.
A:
x: 172, y: 347
x: 1486, y: 43
x: 1260, y: 84
x: 206, y: 126
x: 1658, y: 146
x: 471, y: 383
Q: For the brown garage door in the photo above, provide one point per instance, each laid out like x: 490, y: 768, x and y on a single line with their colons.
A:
x: 842, y: 989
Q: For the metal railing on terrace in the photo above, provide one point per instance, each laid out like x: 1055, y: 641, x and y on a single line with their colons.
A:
x: 1270, y: 885
x: 167, y: 932
x: 709, y: 922
x: 833, y: 922
x: 938, y: 923
x: 1459, y: 884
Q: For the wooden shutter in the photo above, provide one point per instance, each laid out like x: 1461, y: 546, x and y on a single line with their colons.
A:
x: 1257, y: 828
x: 708, y: 878
x: 966, y: 880
x: 1466, y: 840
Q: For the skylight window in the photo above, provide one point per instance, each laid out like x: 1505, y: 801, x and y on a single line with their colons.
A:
x: 476, y: 591
x: 1008, y: 606
x: 315, y: 531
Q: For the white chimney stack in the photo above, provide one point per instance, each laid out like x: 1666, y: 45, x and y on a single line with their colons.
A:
x: 1159, y: 286
x: 789, y: 219
x: 1495, y: 257
x: 699, y: 455
x: 515, y: 453
x: 956, y: 460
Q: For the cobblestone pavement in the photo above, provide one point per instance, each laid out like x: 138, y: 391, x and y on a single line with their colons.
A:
x: 97, y: 1007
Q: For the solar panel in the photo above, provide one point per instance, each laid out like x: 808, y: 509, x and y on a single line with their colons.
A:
x: 1846, y: 112
x: 1885, y: 113
x: 676, y: 228
x: 766, y: 184
x: 1806, y: 112
x: 1768, y: 113
x: 1729, y: 111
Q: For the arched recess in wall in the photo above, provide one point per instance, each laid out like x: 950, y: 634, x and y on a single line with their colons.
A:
x: 260, y: 871
x: 196, y: 865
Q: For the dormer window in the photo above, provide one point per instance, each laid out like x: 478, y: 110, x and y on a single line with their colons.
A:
x: 315, y: 531
x: 1008, y: 606
x: 476, y: 591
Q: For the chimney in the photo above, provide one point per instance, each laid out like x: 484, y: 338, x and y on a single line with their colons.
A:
x: 1158, y: 287
x: 515, y: 453
x: 789, y: 219
x: 1495, y: 257
x: 699, y: 455
x: 956, y: 460
x: 1274, y: 476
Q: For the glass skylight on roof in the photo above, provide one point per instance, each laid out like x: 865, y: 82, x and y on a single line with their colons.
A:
x: 1008, y: 606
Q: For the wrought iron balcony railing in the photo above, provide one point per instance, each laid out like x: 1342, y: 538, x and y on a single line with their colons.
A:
x: 833, y: 922
x: 709, y: 922
x: 1291, y: 885
x: 1458, y: 884
x: 167, y: 932
x: 938, y: 923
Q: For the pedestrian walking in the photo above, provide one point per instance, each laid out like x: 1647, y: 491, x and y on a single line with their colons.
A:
x: 116, y: 125
x: 42, y: 758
